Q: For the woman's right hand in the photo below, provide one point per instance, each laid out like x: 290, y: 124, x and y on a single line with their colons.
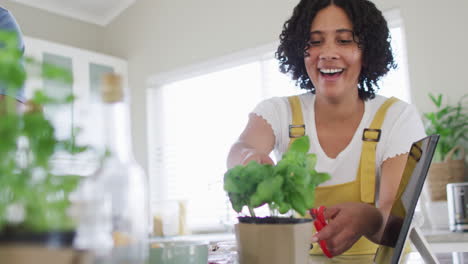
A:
x: 255, y: 143
x: 349, y: 221
x: 260, y: 158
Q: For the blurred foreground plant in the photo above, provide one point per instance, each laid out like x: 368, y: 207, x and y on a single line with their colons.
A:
x: 32, y: 197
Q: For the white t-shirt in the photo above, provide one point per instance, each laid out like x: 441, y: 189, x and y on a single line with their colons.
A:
x: 402, y: 126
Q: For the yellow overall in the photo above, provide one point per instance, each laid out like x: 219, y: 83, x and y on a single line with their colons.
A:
x: 362, y: 189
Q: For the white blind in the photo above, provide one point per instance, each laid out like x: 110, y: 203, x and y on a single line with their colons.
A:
x: 193, y: 122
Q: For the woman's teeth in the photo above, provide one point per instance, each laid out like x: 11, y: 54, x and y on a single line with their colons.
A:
x: 330, y: 71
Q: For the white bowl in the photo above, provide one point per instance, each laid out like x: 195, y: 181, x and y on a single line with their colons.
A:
x: 178, y: 252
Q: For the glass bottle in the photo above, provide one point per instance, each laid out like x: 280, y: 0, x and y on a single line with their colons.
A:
x: 123, y: 180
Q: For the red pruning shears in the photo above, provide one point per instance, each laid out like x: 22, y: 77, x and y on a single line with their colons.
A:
x: 319, y: 223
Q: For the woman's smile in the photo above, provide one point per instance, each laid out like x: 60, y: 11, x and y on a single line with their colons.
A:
x: 331, y: 74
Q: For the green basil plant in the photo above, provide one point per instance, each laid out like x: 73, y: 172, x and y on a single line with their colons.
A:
x: 290, y: 184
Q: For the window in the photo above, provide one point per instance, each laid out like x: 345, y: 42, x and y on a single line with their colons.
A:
x: 200, y: 118
x: 195, y: 117
x: 396, y: 82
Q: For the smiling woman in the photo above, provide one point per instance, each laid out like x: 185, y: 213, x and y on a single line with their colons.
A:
x: 248, y: 76
x: 338, y: 51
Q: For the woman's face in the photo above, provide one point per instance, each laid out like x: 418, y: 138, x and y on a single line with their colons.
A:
x: 334, y: 61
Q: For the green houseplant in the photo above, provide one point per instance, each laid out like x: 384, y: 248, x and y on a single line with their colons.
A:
x: 33, y: 199
x: 289, y: 185
x: 450, y: 121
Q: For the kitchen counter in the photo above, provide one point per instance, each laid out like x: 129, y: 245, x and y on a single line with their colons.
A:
x: 411, y: 258
x: 440, y: 241
x: 443, y: 240
x: 445, y: 236
x: 432, y: 236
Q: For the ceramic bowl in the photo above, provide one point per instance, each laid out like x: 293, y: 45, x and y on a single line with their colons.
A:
x: 177, y: 252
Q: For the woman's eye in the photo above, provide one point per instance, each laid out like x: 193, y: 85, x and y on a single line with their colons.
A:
x: 314, y: 42
x: 345, y: 41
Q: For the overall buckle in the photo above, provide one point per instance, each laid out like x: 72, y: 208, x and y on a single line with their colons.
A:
x: 371, y: 130
x: 295, y: 127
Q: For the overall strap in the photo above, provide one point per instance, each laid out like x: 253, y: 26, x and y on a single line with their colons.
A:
x: 370, y: 138
x: 297, y: 128
x: 414, y: 156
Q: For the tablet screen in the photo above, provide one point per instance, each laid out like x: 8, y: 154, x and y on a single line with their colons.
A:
x: 399, y: 223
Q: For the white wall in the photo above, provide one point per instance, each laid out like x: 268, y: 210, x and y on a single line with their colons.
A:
x: 41, y: 24
x: 436, y: 37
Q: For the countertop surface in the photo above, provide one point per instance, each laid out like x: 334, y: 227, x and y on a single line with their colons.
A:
x: 411, y: 258
x: 445, y: 236
x: 432, y: 236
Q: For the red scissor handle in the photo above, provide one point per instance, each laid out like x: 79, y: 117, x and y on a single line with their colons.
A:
x: 320, y: 223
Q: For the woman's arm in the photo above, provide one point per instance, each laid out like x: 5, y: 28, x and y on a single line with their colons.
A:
x: 392, y: 172
x: 255, y: 143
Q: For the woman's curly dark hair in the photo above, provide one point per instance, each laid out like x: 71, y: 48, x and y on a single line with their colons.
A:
x: 370, y: 29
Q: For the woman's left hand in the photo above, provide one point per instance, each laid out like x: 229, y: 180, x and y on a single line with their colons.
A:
x: 347, y: 223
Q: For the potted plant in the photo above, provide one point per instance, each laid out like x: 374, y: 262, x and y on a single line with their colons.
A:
x: 289, y: 185
x: 33, y: 198
x: 451, y: 123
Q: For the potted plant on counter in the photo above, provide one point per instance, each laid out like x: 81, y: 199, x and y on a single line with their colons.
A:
x: 33, y: 198
x: 451, y: 123
x: 289, y: 185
